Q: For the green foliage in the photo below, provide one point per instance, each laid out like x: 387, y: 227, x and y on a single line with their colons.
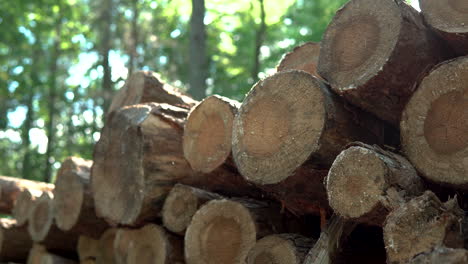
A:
x: 28, y: 30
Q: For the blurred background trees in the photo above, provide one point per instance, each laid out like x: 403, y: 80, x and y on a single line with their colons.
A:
x: 62, y: 60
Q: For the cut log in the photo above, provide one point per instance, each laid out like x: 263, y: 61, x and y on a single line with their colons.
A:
x: 40, y: 255
x: 279, y: 249
x: 304, y: 57
x: 440, y: 255
x: 421, y: 224
x: 106, y: 252
x: 326, y: 248
x: 224, y: 231
x: 11, y: 187
x: 138, y: 159
x: 122, y: 243
x: 87, y: 248
x: 434, y: 127
x: 208, y: 133
x: 153, y: 244
x: 145, y: 87
x: 181, y: 204
x: 449, y: 18
x: 42, y: 228
x: 289, y: 119
x: 366, y: 182
x: 23, y: 205
x: 369, y: 43
x: 15, y: 241
x: 73, y: 203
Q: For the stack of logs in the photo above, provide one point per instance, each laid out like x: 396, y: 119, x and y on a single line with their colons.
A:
x: 359, y: 155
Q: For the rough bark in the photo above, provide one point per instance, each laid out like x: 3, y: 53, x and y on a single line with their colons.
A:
x: 224, y: 231
x: 434, y: 127
x: 73, y: 202
x: 140, y: 155
x: 290, y: 119
x: 326, y: 249
x: 15, y: 241
x: 198, y: 70
x: 280, y: 248
x: 303, y: 57
x: 181, y: 204
x: 440, y: 255
x: 153, y: 244
x: 43, y: 230
x: 208, y: 133
x: 369, y: 52
x: 87, y: 248
x: 366, y: 182
x: 106, y: 252
x: 146, y: 87
x: 421, y: 224
x: 449, y: 19
x: 40, y: 255
x: 11, y: 188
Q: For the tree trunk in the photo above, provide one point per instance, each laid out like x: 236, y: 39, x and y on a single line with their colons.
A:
x: 52, y: 111
x: 198, y: 62
x: 152, y: 244
x: 208, y: 133
x: 366, y: 182
x: 326, y: 249
x: 224, y: 231
x: 42, y: 229
x: 133, y: 53
x: 106, y: 252
x: 105, y: 48
x: 290, y: 119
x: 87, y: 248
x: 369, y: 52
x: 304, y: 57
x: 280, y: 248
x: 434, y: 127
x: 146, y: 87
x: 442, y: 255
x: 15, y: 241
x: 259, y: 39
x: 140, y: 155
x: 181, y: 204
x: 421, y: 224
x: 73, y: 203
x: 11, y: 188
x: 450, y: 20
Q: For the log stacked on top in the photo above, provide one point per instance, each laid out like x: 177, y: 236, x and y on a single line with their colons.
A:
x: 309, y: 168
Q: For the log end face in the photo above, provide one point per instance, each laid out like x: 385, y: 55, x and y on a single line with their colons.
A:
x: 208, y: 134
x: 69, y: 191
x: 304, y: 57
x: 150, y: 247
x: 358, y: 43
x: 449, y: 16
x: 23, y: 206
x: 41, y: 218
x: 221, y: 231
x: 278, y: 126
x: 273, y: 250
x: 117, y: 173
x: 420, y: 225
x: 434, y: 126
x: 179, y: 207
x: 356, y: 182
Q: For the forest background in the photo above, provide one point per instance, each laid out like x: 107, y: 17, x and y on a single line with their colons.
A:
x: 61, y: 61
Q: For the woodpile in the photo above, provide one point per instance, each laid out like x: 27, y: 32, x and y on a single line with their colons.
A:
x: 354, y: 151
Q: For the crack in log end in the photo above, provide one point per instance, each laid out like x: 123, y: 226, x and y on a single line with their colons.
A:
x: 355, y: 42
x: 446, y: 124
